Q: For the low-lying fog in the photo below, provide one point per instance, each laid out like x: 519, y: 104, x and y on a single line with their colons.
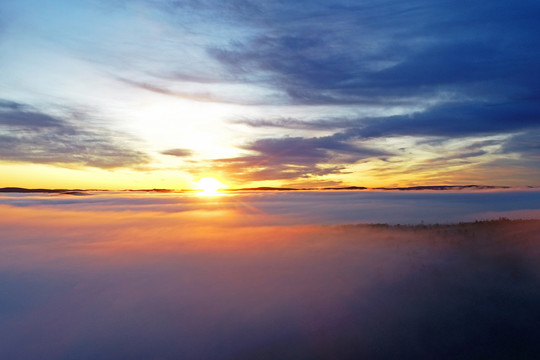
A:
x: 269, y: 276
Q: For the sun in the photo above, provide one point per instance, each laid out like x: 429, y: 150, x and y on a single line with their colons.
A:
x: 209, y: 186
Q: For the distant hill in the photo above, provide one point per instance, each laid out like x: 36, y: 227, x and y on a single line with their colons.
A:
x: 444, y: 187
x: 48, y: 191
x: 154, y: 190
x: 268, y: 188
x: 410, y: 188
x: 345, y: 188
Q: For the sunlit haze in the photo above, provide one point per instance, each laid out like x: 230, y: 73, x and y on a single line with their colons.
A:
x: 209, y: 186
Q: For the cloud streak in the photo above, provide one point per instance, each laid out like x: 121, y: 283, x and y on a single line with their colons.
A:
x: 296, y: 157
x: 29, y: 135
x: 392, y: 51
x: 178, y: 152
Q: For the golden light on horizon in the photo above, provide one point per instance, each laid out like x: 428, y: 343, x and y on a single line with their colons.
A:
x: 209, y: 186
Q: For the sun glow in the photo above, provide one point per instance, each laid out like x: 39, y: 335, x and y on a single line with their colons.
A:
x: 209, y: 186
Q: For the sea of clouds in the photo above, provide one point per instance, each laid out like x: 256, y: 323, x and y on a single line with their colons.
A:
x: 268, y: 276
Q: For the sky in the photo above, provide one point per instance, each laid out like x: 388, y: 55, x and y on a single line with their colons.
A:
x: 158, y: 93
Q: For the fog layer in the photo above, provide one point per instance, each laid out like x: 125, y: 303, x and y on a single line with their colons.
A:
x: 161, y: 277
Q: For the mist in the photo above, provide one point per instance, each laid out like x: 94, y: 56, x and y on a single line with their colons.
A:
x: 151, y: 276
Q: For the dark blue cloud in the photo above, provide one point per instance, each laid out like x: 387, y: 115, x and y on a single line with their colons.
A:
x: 477, y: 61
x: 30, y: 135
x: 335, y: 53
x: 446, y: 120
x: 527, y: 144
x: 471, y: 67
x: 297, y: 157
x: 461, y: 119
x: 17, y: 115
x: 178, y: 152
